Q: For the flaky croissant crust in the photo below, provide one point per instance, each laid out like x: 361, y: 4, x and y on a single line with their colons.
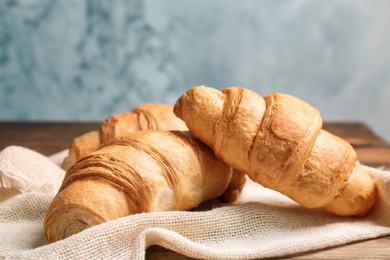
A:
x: 148, y: 116
x: 278, y: 141
x: 144, y: 171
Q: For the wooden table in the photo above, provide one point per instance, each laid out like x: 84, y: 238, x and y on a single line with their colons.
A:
x: 49, y: 138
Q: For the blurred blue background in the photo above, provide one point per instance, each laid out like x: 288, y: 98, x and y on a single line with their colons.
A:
x: 84, y: 60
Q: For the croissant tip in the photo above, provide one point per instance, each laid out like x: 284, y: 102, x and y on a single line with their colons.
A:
x: 177, y: 109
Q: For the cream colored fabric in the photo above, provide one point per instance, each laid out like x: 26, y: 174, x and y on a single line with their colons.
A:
x: 29, y: 171
x: 263, y: 224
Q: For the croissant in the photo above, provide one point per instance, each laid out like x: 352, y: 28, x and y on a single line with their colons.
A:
x: 81, y: 146
x: 144, y: 171
x: 148, y: 116
x: 278, y: 141
x: 143, y: 117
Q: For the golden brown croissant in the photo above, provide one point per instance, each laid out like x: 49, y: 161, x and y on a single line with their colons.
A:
x: 278, y: 141
x: 148, y: 116
x: 145, y: 171
x: 143, y: 117
x: 81, y: 146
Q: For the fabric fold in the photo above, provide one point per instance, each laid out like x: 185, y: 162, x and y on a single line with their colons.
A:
x: 29, y: 171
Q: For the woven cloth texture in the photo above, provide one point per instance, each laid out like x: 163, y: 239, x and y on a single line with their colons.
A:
x: 262, y: 224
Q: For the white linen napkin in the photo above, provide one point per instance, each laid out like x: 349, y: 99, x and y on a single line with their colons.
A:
x: 28, y: 171
x: 262, y: 224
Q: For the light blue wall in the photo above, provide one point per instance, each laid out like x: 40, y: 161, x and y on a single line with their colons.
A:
x: 84, y: 60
